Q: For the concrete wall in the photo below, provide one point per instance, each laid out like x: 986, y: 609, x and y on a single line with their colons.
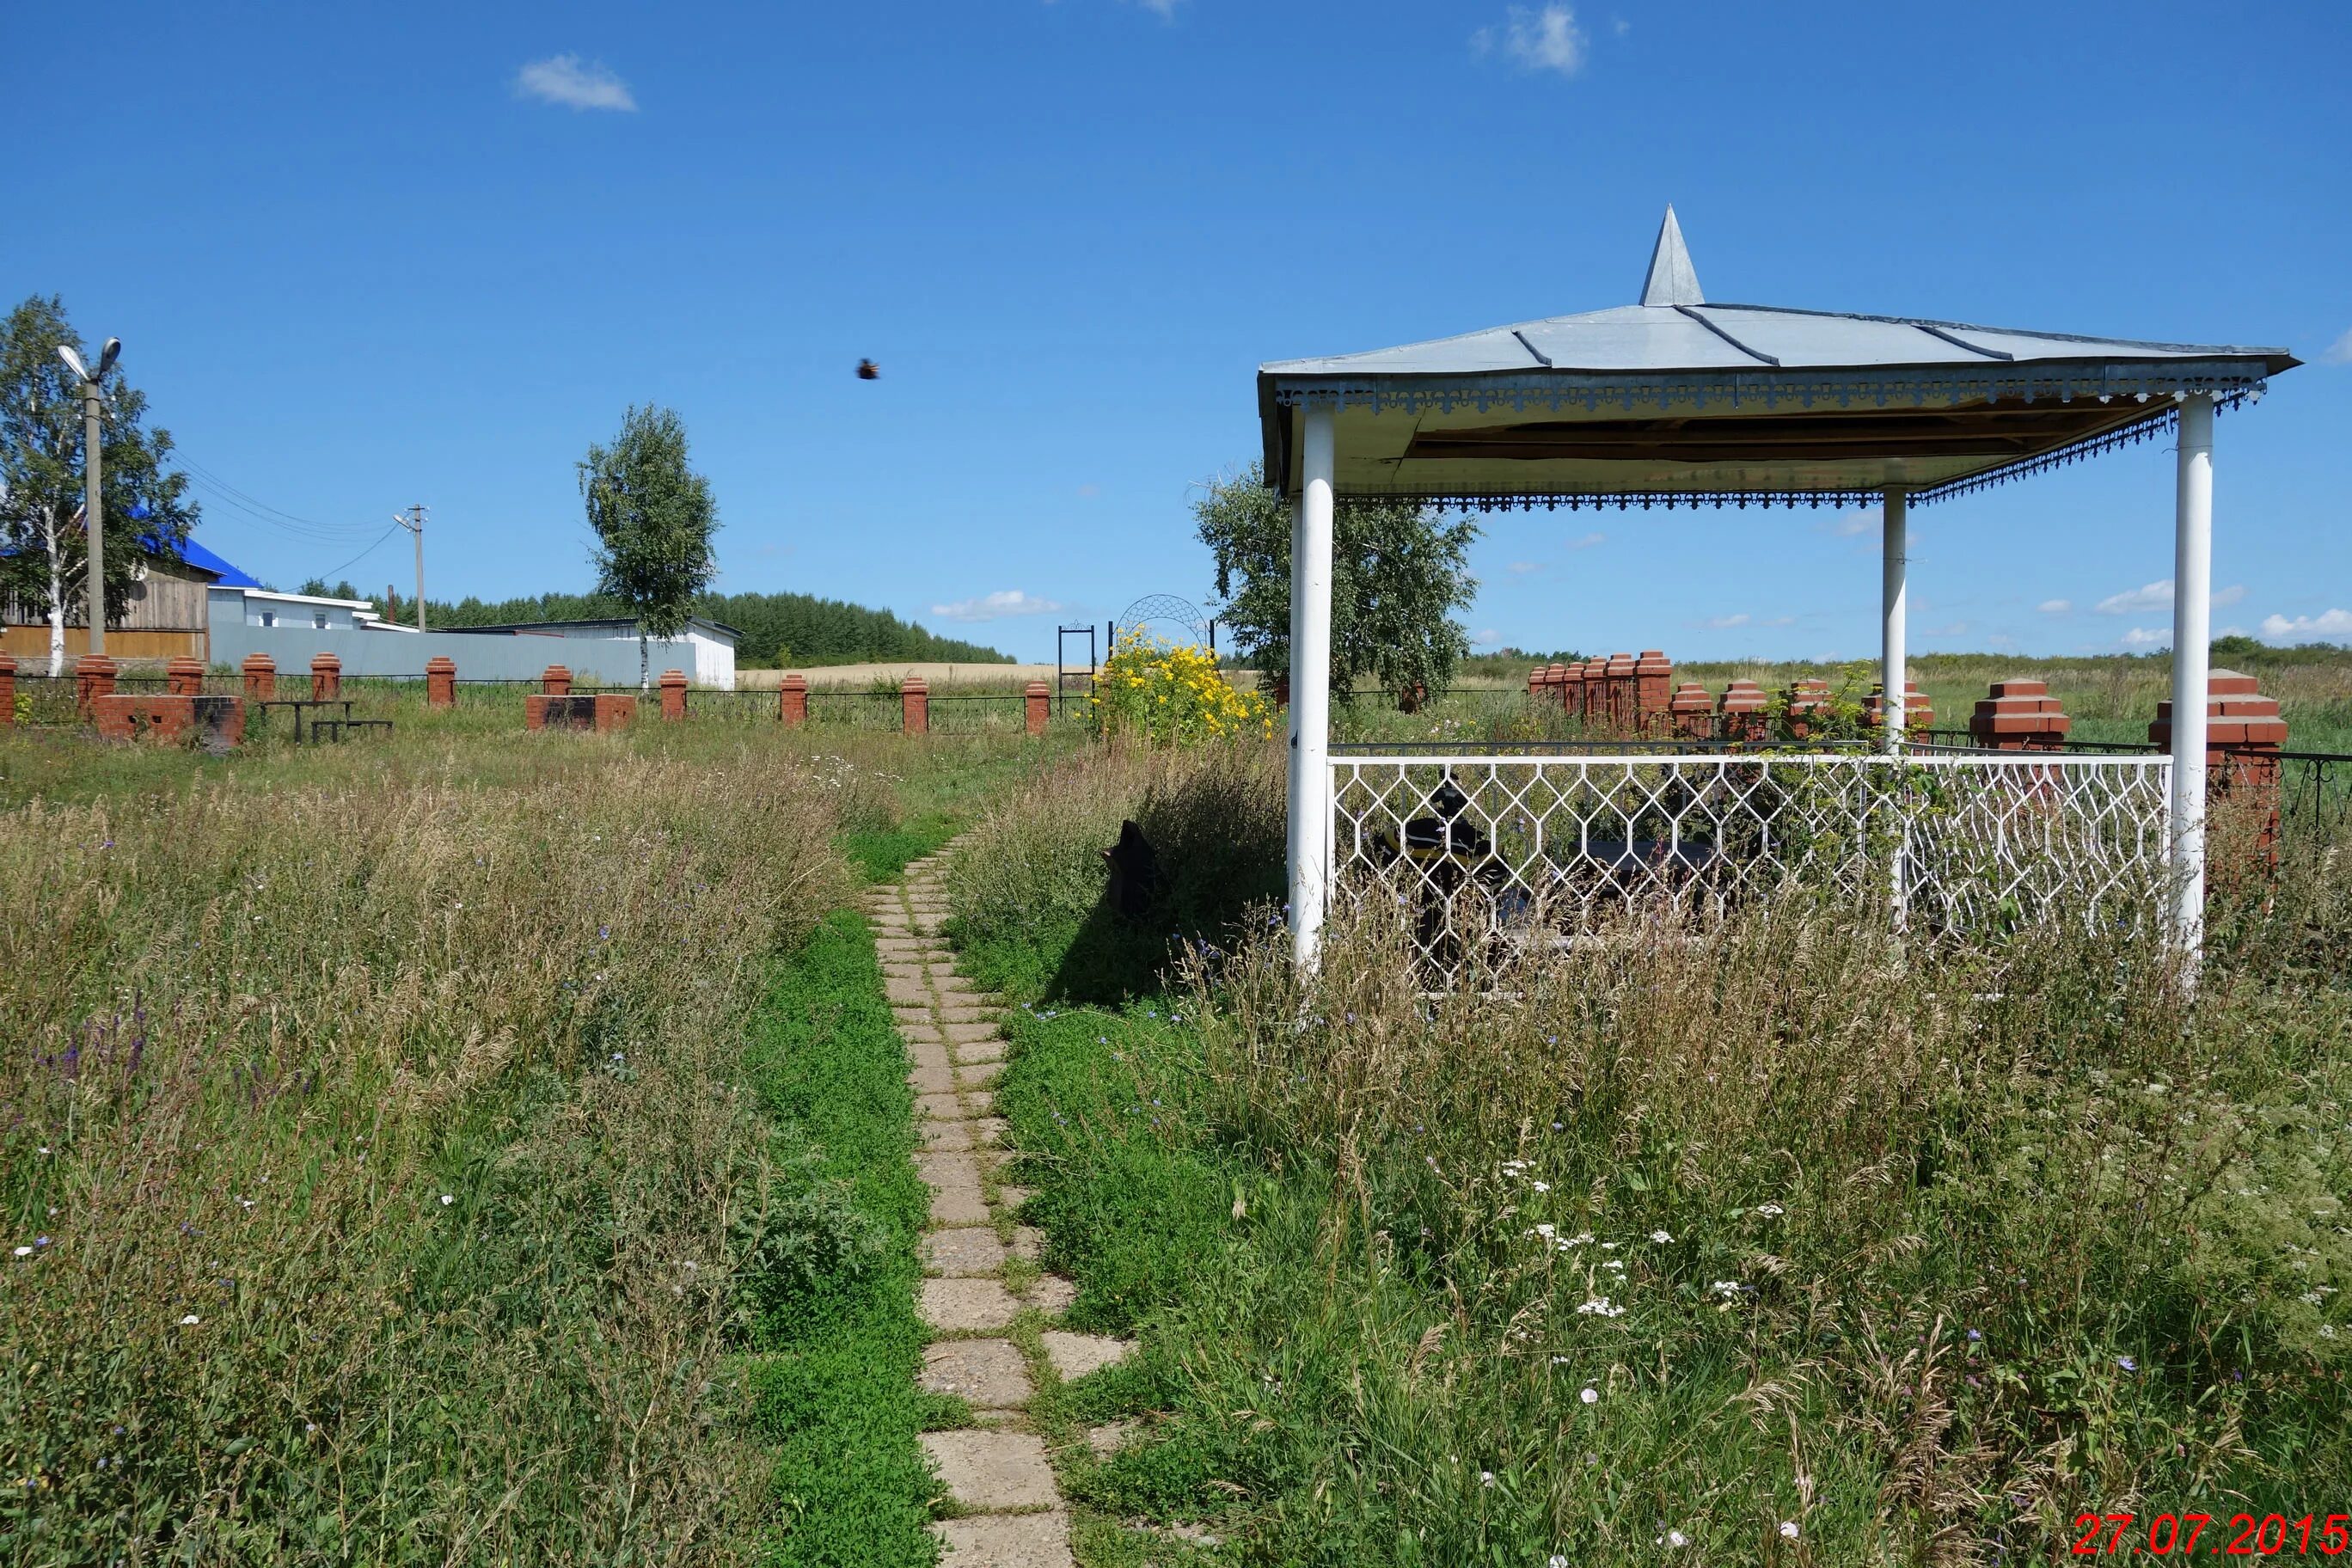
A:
x: 479, y: 657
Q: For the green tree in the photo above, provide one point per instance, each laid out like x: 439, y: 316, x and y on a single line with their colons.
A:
x: 653, y: 518
x: 1399, y: 571
x: 44, y: 540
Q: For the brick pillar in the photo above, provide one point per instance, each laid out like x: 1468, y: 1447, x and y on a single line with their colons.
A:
x: 792, y: 699
x: 2020, y: 716
x: 93, y: 678
x: 1621, y: 692
x: 1653, y: 679
x: 1038, y: 705
x: 555, y: 680
x: 1537, y: 678
x: 440, y: 681
x: 1691, y: 712
x: 260, y: 677
x: 1555, y: 683
x: 7, y: 690
x: 1743, y: 711
x: 1917, y: 714
x: 1808, y: 705
x: 915, y: 704
x: 326, y: 677
x: 1282, y: 690
x: 673, y: 691
x: 2243, y: 735
x: 184, y: 676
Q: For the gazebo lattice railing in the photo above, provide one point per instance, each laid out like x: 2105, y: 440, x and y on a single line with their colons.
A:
x: 1489, y: 855
x: 1675, y: 401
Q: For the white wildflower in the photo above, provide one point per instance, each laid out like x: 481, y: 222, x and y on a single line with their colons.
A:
x: 23, y: 1252
x: 1726, y: 1287
x: 1591, y: 1395
x: 1660, y: 1238
x: 1788, y: 1530
x: 1771, y: 1211
x: 190, y: 1322
x: 447, y: 1200
x: 1485, y: 1478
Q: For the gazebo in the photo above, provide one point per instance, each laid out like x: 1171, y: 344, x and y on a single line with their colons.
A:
x: 1677, y: 401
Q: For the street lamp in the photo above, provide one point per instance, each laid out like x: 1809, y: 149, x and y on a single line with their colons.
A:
x: 93, y: 513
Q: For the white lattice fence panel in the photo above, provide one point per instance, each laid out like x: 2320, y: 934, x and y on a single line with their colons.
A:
x: 1486, y: 853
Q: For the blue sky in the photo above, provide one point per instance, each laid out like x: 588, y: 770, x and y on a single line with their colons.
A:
x: 362, y: 256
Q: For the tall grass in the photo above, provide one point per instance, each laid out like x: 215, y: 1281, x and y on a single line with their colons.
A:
x: 1792, y: 1244
x: 369, y: 1151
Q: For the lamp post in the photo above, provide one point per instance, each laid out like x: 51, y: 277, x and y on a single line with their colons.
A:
x: 93, y: 512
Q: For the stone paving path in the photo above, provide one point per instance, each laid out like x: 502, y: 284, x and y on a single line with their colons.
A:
x: 980, y: 1264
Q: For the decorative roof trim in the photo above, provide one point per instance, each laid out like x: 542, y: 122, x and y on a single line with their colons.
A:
x: 1881, y: 385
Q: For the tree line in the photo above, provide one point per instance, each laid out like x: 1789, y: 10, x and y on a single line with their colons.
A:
x: 777, y: 629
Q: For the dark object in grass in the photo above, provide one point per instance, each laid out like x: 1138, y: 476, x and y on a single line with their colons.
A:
x: 1134, y: 872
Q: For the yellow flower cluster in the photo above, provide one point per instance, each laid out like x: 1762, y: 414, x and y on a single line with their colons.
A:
x: 1173, y: 695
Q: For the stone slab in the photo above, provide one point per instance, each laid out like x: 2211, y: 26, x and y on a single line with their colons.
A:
x: 940, y: 1107
x: 960, y: 1033
x: 991, y: 1374
x: 989, y: 1051
x: 1074, y: 1355
x: 946, y: 1171
x: 987, y: 1130
x: 927, y: 1054
x: 948, y: 1137
x: 932, y: 1079
x: 954, y: 1013
x: 993, y: 1470
x: 972, y: 1252
x: 968, y: 1306
x: 981, y: 1102
x: 1028, y: 1242
x: 1108, y: 1439
x: 1005, y: 1541
x: 1011, y: 1196
x: 978, y: 1074
x: 905, y: 992
x: 959, y: 1206
x: 1051, y: 1294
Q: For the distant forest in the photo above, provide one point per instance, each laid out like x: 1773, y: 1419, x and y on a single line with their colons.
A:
x: 778, y: 628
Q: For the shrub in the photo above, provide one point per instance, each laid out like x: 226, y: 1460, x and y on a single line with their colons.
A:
x: 1169, y: 696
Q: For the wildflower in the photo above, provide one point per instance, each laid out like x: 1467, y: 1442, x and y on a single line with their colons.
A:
x: 1556, y: 1561
x: 23, y: 1252
x: 447, y: 1199
x: 1974, y: 1335
x: 1600, y: 1306
x: 1591, y: 1395
x: 2126, y: 1362
x: 1675, y: 1540
x: 1660, y: 1238
x: 1771, y: 1211
x: 1727, y: 1288
x: 190, y: 1322
x: 1559, y: 1360
x: 1485, y: 1478
x: 1548, y: 1230
x: 1788, y: 1530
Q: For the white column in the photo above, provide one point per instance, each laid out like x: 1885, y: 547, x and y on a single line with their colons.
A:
x: 1893, y: 646
x: 2192, y: 637
x: 1310, y: 684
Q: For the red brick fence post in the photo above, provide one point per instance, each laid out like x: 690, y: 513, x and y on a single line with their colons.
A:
x: 260, y: 677
x: 791, y: 700
x: 1654, y: 679
x: 1918, y: 712
x: 440, y: 681
x: 326, y: 677
x: 2018, y: 716
x: 673, y: 691
x: 184, y: 676
x: 93, y: 678
x: 8, y: 691
x: 555, y: 680
x: 1691, y: 711
x: 1743, y: 712
x: 1038, y: 703
x: 915, y: 704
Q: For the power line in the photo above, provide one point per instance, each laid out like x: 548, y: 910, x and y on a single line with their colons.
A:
x: 363, y: 555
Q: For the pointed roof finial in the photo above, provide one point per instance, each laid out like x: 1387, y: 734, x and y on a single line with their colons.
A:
x: 1672, y: 280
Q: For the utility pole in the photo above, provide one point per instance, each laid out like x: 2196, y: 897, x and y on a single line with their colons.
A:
x: 93, y: 512
x: 412, y: 519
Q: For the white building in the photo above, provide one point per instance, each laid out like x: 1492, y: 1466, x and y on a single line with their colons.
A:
x: 713, y: 643
x: 304, y: 612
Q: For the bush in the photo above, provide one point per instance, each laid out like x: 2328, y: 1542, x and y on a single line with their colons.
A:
x: 1168, y: 696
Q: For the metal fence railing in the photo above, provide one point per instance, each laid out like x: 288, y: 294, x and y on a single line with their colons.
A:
x: 1493, y: 853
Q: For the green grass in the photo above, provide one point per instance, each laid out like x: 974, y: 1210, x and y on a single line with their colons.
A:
x: 836, y: 1344
x: 2007, y: 1236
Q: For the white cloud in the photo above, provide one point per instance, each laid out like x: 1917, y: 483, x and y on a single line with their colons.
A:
x: 1724, y: 622
x: 2158, y: 596
x: 1587, y: 542
x: 1488, y: 637
x: 1619, y: 26
x: 2142, y: 638
x: 1521, y: 568
x: 1088, y: 493
x: 2056, y: 606
x: 2339, y: 351
x: 568, y: 81
x: 1852, y: 525
x: 1956, y: 629
x: 996, y: 607
x: 1548, y: 39
x: 2307, y: 628
x: 1164, y: 9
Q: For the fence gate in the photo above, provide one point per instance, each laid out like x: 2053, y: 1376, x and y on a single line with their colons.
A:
x: 1068, y: 675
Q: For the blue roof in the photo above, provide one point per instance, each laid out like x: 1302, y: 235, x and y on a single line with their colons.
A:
x: 197, y: 555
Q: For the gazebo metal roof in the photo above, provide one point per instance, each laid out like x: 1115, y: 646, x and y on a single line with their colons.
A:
x: 1675, y: 400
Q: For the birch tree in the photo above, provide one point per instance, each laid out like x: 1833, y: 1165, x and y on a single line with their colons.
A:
x: 653, y: 518
x: 44, y: 538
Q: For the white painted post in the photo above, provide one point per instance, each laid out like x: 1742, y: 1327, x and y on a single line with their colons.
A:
x: 1893, y: 651
x: 2192, y: 637
x: 1310, y: 684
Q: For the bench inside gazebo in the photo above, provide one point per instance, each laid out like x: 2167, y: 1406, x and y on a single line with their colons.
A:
x: 1676, y: 402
